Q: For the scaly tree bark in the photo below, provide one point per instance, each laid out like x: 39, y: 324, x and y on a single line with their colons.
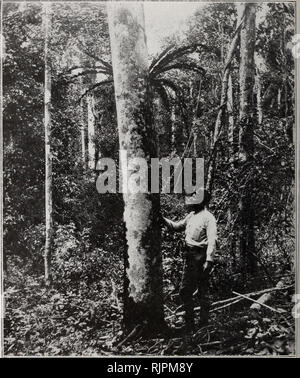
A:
x: 143, y: 302
x: 247, y: 118
x: 48, y: 156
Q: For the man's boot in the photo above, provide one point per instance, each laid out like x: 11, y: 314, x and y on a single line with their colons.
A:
x: 204, y: 313
x: 189, y: 319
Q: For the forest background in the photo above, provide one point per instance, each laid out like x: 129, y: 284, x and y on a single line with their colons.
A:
x: 194, y: 115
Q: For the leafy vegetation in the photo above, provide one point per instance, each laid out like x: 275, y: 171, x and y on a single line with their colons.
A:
x: 81, y: 313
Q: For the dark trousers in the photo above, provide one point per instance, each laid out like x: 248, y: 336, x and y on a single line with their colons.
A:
x: 193, y: 277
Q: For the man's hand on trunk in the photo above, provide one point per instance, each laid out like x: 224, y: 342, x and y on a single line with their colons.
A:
x: 207, y: 267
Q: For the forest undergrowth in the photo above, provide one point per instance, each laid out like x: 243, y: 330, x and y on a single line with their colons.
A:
x: 86, y: 321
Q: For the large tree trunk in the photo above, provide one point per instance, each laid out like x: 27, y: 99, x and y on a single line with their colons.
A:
x: 247, y: 119
x: 143, y: 302
x: 48, y: 156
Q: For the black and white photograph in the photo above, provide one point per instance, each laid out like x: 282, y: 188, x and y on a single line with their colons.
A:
x: 149, y: 179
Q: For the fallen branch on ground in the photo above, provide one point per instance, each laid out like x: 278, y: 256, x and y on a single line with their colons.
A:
x: 265, y: 298
x: 212, y: 343
x: 252, y: 294
x: 253, y: 300
x: 226, y: 305
x: 131, y: 335
x: 230, y: 301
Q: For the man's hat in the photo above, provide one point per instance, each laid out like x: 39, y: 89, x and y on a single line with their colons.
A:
x: 201, y: 195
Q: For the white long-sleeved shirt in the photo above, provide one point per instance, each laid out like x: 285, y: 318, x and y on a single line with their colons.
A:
x: 200, y: 230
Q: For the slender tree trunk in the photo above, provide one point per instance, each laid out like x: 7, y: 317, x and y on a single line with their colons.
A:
x: 193, y: 129
x: 231, y: 150
x: 173, y: 128
x: 223, y: 102
x: 221, y: 31
x: 143, y: 300
x: 230, y: 119
x: 198, y: 100
x: 285, y: 67
x: 247, y: 119
x: 279, y: 99
x: 48, y: 156
x: 258, y: 98
x: 91, y: 131
x: 4, y: 263
x: 232, y: 234
x: 91, y: 120
x: 195, y: 135
x: 195, y: 152
x: 83, y: 149
x: 83, y: 133
x: 158, y: 122
x: 230, y: 217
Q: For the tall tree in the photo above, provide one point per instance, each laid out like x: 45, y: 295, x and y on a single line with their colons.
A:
x: 230, y: 118
x: 173, y: 128
x: 91, y: 128
x: 247, y: 118
x: 83, y: 132
x: 258, y: 60
x: 223, y: 100
x: 231, y: 151
x: 144, y: 303
x: 48, y: 156
x: 2, y: 46
x: 259, y: 97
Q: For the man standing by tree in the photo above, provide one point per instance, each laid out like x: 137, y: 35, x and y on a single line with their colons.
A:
x: 200, y: 243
